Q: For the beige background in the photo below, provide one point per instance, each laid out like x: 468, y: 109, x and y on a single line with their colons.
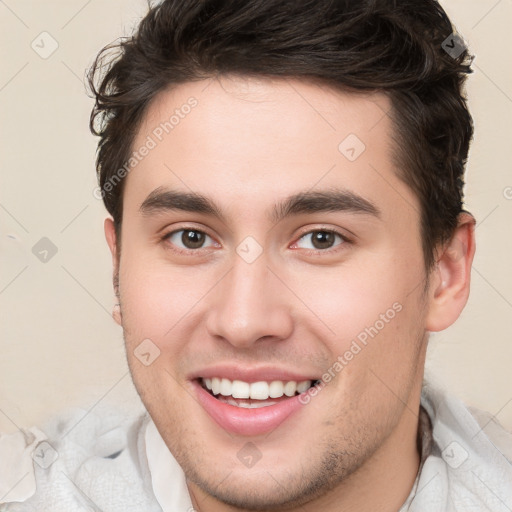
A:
x: 59, y: 345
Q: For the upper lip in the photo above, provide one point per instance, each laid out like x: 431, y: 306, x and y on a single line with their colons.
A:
x: 251, y: 374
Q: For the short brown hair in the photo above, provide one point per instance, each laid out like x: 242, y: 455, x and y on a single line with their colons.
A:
x: 398, y: 48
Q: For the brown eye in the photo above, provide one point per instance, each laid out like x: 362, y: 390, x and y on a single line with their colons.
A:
x: 189, y: 239
x: 322, y: 240
x: 192, y: 239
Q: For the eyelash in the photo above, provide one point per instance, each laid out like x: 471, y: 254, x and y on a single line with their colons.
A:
x: 188, y: 252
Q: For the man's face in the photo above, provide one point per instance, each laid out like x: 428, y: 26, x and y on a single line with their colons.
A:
x: 245, y: 297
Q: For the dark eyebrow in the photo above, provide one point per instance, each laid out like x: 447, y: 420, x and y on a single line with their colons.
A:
x: 330, y: 200
x: 333, y: 200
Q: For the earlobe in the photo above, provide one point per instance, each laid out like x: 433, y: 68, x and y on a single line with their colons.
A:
x: 451, y: 277
x: 116, y: 314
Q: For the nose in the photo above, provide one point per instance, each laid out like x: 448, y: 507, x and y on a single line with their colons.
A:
x: 251, y: 302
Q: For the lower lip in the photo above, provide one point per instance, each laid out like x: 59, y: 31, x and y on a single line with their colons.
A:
x: 243, y: 421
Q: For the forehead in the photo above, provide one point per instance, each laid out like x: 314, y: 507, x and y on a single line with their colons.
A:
x: 244, y: 139
x: 260, y: 113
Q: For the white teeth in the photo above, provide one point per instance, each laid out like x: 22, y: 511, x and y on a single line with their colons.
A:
x: 245, y: 405
x: 259, y: 390
x: 240, y: 389
x: 276, y: 389
x: 290, y: 388
x: 303, y: 386
x: 256, y: 390
x: 215, y: 386
x: 225, y: 387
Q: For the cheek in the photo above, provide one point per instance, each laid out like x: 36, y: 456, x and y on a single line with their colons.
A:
x: 151, y: 299
x: 349, y: 298
x: 157, y: 299
x: 369, y: 315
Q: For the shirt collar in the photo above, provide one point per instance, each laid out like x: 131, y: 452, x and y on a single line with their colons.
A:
x: 167, y: 477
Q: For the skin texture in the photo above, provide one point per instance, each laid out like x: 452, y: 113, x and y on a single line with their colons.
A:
x: 247, y: 144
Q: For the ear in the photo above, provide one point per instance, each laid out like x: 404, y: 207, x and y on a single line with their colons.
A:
x: 110, y: 236
x: 450, y: 280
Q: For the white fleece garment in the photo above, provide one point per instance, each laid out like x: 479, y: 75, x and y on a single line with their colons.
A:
x: 110, y: 463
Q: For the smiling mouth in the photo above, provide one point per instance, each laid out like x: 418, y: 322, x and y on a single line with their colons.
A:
x: 255, y: 394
